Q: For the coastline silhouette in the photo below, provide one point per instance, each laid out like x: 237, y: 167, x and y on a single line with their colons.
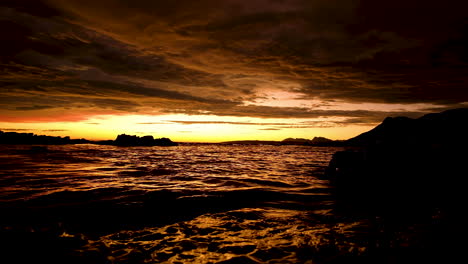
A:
x: 15, y: 138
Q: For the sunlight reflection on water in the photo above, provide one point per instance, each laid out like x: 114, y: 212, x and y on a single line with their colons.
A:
x: 203, y: 168
x: 185, y: 204
x: 247, y: 235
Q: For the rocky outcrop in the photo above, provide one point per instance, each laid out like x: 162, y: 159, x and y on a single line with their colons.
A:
x: 131, y: 140
x: 404, y: 160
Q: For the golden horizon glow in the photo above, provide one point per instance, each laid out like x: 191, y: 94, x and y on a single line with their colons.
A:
x: 205, y: 127
x: 190, y: 128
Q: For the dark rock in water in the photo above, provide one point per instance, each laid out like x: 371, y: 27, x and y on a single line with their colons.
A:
x: 131, y: 140
x: 405, y: 161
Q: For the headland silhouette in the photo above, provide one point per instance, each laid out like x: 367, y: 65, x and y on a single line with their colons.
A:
x: 404, y: 161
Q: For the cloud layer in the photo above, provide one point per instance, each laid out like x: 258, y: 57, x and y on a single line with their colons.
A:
x: 70, y: 59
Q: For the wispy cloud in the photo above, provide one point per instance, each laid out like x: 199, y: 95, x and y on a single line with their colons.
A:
x: 153, y: 123
x: 189, y: 122
x: 54, y: 130
x: 15, y: 129
x: 270, y: 129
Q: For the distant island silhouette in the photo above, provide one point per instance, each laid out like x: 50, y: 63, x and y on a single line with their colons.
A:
x: 316, y: 141
x: 33, y: 139
x: 121, y: 140
x: 16, y: 138
x: 130, y: 140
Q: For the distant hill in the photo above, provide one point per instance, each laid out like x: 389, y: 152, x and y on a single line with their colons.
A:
x: 296, y: 141
x: 316, y: 141
x: 322, y: 140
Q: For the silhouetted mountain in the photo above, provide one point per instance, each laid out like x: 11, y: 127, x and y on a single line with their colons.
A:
x: 33, y: 139
x: 405, y: 161
x: 131, y: 140
x: 447, y: 127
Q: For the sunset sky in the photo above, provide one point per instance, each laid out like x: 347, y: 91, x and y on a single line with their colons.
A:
x: 218, y: 70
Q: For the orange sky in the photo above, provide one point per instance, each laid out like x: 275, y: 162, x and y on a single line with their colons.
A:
x: 191, y: 128
x: 107, y: 127
x: 227, y: 69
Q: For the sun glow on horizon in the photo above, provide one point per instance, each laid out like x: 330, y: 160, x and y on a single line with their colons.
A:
x: 191, y: 128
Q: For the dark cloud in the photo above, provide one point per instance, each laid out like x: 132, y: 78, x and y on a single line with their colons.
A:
x: 217, y: 57
x: 15, y: 129
x: 34, y: 107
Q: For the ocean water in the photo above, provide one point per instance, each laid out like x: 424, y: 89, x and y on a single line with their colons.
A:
x: 193, y: 204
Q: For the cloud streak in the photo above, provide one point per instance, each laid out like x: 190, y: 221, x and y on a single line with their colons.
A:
x: 187, y: 122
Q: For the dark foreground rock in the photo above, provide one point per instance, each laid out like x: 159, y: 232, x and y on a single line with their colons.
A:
x: 405, y: 161
x: 406, y: 176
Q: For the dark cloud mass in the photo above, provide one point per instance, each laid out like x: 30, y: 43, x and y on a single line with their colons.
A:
x: 218, y: 57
